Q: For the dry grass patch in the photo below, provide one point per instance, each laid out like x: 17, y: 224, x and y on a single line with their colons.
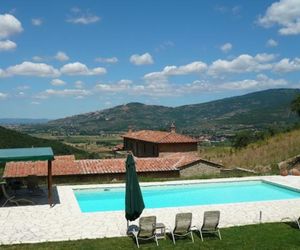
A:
x: 259, y: 156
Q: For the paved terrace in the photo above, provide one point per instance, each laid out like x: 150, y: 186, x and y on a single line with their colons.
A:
x: 64, y: 221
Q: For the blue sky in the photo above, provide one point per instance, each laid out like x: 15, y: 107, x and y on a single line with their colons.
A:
x: 59, y: 58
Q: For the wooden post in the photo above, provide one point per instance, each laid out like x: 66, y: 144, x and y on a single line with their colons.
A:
x: 50, y: 182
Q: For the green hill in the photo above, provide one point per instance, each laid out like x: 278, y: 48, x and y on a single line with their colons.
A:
x: 255, y: 110
x: 14, y: 139
x: 260, y: 156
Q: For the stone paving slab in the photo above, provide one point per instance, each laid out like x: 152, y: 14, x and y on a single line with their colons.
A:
x: 65, y: 221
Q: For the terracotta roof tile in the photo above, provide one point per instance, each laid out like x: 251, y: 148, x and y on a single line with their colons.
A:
x: 183, y: 158
x: 62, y: 165
x: 159, y: 137
x: 67, y: 166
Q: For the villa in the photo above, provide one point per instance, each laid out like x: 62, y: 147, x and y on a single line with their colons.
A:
x: 150, y: 143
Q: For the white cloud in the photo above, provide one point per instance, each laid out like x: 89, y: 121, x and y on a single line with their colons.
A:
x: 108, y: 103
x: 80, y: 17
x: 68, y: 92
x: 79, y: 84
x: 165, y: 45
x: 261, y: 82
x: 38, y: 58
x: 163, y: 88
x: 121, y: 85
x: 23, y: 87
x: 57, y: 82
x: 7, y: 45
x: 271, y: 43
x: 157, y: 84
x: 241, y: 64
x: 9, y: 25
x: 36, y: 21
x: 285, y: 14
x: 194, y: 67
x: 45, y: 70
x: 226, y: 47
x: 125, y: 81
x: 78, y: 68
x: 84, y: 19
x: 287, y: 65
x: 107, y: 60
x: 2, y: 73
x: 141, y: 59
x: 196, y: 87
x: 191, y: 68
x: 32, y: 69
x: 61, y: 56
x: 155, y: 88
x: 232, y: 10
x: 79, y: 97
x: 3, y: 96
x: 63, y: 93
x: 35, y: 103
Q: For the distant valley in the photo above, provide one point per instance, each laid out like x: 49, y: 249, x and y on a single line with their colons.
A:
x: 256, y: 110
x: 18, y: 121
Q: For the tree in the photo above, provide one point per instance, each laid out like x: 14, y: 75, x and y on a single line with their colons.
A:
x: 295, y: 105
x: 242, y: 139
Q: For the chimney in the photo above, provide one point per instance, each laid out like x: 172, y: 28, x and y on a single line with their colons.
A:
x: 129, y: 129
x: 173, y: 128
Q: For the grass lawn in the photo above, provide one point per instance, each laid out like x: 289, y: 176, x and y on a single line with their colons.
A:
x: 264, y: 236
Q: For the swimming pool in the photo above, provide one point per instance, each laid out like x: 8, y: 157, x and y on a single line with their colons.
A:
x: 179, y: 195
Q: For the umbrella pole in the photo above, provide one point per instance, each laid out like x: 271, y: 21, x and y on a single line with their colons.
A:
x: 128, y: 233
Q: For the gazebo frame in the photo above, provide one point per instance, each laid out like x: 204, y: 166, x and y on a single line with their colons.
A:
x: 31, y: 154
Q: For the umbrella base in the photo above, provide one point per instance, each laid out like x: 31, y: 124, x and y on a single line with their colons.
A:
x: 131, y: 229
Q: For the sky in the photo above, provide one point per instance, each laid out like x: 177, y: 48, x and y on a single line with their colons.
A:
x: 61, y: 58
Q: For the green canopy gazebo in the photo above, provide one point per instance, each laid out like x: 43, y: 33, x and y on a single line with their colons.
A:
x: 31, y: 154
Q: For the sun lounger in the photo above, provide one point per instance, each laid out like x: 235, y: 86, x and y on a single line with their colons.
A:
x: 210, y: 223
x: 146, y: 230
x: 183, y: 222
x: 298, y: 222
x: 12, y: 199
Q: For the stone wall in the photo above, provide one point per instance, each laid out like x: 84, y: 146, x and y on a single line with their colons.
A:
x: 200, y: 168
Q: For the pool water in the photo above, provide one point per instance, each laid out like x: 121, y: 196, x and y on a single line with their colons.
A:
x: 113, y: 199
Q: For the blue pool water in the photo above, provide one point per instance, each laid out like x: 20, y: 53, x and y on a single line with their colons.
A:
x: 113, y: 199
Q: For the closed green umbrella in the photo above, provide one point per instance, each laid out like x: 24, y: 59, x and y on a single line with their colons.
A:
x: 134, y: 203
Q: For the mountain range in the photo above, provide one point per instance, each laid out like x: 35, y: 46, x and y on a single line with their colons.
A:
x: 256, y: 110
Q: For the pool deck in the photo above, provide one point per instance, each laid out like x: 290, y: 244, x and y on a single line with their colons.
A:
x: 65, y: 221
